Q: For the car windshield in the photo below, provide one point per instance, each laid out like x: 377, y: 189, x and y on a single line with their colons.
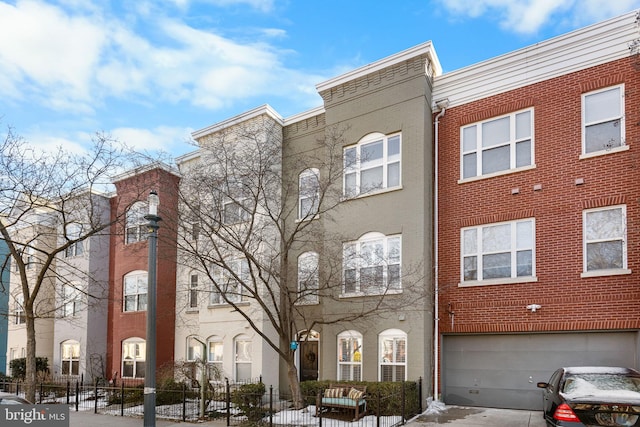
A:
x: 593, y: 384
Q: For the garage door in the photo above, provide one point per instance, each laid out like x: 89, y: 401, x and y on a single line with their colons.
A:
x: 501, y: 371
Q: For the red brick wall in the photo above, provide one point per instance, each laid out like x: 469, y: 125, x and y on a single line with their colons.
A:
x: 131, y: 257
x: 569, y: 302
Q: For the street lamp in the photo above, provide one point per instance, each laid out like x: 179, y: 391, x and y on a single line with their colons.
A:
x: 150, y: 356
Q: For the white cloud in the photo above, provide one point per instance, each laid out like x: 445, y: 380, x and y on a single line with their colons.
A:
x: 528, y: 16
x: 162, y: 138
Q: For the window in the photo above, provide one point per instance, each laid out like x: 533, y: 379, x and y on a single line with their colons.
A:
x: 308, y: 193
x: 214, y: 357
x: 393, y: 355
x: 70, y: 295
x: 605, y: 239
x: 497, y: 145
x: 350, y: 356
x: 372, y: 164
x: 194, y: 349
x: 29, y: 258
x: 308, y: 282
x: 133, y: 357
x: 136, y: 225
x: 73, y: 232
x: 235, y: 212
x: 70, y: 358
x: 243, y: 358
x: 372, y: 264
x: 18, y: 311
x: 193, y: 291
x: 227, y: 286
x: 135, y: 291
x: 603, y: 120
x: 498, y: 251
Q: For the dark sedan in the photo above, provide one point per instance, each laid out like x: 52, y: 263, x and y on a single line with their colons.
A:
x: 592, y: 396
x: 12, y: 399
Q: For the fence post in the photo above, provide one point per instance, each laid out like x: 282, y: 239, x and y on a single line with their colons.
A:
x: 404, y: 401
x: 184, y: 402
x: 378, y: 409
x: 319, y: 407
x: 41, y: 391
x: 77, y: 395
x: 420, y: 395
x: 68, y: 390
x: 122, y: 398
x: 228, y: 399
x: 95, y: 397
x: 271, y: 405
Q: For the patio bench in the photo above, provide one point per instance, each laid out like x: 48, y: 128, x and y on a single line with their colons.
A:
x: 343, y: 396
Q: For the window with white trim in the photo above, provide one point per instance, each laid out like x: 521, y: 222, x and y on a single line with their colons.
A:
x: 70, y: 358
x: 18, y: 310
x: 215, y: 354
x: 393, y: 355
x: 236, y: 211
x: 373, y: 164
x: 503, y: 250
x: 133, y: 358
x: 308, y: 193
x: 73, y: 232
x: 603, y: 125
x: 497, y: 145
x: 193, y: 291
x: 243, y: 353
x: 70, y: 300
x: 308, y: 278
x: 350, y: 356
x: 371, y: 265
x: 136, y: 225
x: 227, y: 286
x: 194, y: 349
x: 135, y: 291
x: 605, y: 238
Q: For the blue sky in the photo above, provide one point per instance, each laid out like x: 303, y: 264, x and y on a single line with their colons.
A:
x: 150, y: 72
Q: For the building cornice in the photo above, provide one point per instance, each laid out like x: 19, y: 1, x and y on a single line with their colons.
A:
x: 240, y: 118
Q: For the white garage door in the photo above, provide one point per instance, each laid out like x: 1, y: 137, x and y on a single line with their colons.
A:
x: 501, y: 371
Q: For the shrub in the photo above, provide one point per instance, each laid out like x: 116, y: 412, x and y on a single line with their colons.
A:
x: 248, y: 398
x: 19, y: 367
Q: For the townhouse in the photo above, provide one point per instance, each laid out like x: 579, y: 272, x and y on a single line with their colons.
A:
x: 538, y: 214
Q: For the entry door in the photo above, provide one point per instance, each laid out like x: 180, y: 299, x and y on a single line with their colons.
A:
x: 308, y: 360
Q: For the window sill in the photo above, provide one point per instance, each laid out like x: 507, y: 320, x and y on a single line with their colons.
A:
x: 192, y: 311
x: 225, y: 305
x: 371, y: 193
x: 604, y: 152
x: 609, y: 272
x: 309, y: 218
x: 494, y: 174
x: 370, y: 294
x: 307, y: 303
x: 505, y: 281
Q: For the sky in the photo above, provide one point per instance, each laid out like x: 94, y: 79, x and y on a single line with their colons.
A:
x: 148, y: 73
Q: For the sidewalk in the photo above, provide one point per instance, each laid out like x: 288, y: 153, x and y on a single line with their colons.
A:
x: 472, y: 416
x: 88, y: 418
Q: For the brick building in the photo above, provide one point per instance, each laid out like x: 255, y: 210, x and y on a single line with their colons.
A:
x: 538, y: 215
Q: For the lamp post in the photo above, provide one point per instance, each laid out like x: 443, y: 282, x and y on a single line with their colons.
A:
x: 150, y: 356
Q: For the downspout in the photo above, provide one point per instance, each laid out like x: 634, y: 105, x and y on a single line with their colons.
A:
x: 442, y: 104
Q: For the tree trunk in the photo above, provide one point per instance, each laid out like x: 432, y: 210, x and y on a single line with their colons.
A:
x: 294, y: 382
x: 30, y: 365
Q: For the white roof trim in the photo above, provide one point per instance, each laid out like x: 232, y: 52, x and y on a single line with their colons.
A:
x: 303, y: 116
x: 421, y: 49
x: 145, y: 168
x: 243, y: 117
x: 580, y: 49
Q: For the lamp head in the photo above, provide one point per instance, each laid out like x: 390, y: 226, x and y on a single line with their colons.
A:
x: 154, y: 202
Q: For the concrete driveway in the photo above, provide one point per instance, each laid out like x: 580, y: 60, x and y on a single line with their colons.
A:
x: 470, y: 416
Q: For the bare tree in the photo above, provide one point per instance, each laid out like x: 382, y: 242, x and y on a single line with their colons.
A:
x: 244, y: 222
x: 50, y: 203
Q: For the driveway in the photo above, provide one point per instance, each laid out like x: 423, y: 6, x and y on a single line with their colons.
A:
x: 471, y: 416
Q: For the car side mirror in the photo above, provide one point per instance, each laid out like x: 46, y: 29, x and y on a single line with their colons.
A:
x: 543, y: 385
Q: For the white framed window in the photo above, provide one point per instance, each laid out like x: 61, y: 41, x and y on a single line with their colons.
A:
x: 350, y: 356
x: 136, y: 225
x: 133, y: 358
x: 393, y: 355
x: 194, y: 349
x: 227, y: 286
x: 215, y: 356
x: 19, y: 317
x: 73, y: 232
x: 308, y: 278
x: 70, y: 358
x: 236, y: 211
x: 193, y: 291
x: 372, y: 164
x: 497, y: 145
x: 135, y: 291
x: 605, y: 239
x: 242, y: 347
x: 70, y: 300
x: 498, y: 251
x: 371, y: 265
x: 603, y: 124
x: 308, y: 193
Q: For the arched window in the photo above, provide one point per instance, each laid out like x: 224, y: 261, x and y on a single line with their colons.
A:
x: 308, y: 193
x: 133, y: 358
x: 135, y: 291
x: 243, y: 353
x: 373, y: 164
x: 392, y: 348
x: 70, y: 358
x: 215, y: 354
x: 350, y: 356
x: 194, y: 349
x: 372, y: 264
x: 308, y: 279
x: 136, y: 225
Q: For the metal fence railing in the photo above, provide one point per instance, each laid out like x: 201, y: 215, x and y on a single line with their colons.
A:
x: 390, y: 404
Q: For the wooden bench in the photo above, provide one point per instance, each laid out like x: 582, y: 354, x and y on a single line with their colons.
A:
x: 343, y: 396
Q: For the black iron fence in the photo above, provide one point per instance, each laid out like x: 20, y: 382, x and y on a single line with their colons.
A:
x: 390, y: 404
